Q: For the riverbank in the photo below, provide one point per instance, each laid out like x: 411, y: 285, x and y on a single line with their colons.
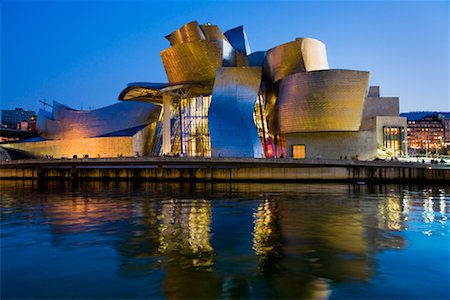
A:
x: 223, y: 169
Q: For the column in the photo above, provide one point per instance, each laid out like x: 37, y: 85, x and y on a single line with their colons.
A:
x: 166, y: 146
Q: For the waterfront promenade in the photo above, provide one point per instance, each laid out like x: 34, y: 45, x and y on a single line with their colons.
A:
x: 224, y: 169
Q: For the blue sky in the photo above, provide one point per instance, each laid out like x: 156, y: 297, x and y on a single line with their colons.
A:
x: 83, y: 53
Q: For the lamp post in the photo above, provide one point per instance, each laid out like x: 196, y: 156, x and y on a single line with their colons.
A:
x: 405, y: 141
x: 426, y: 147
x: 441, y: 144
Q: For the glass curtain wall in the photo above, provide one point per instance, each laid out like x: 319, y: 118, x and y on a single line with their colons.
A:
x: 393, y: 138
x: 190, y: 132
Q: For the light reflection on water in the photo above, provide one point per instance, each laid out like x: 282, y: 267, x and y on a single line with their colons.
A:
x: 169, y: 240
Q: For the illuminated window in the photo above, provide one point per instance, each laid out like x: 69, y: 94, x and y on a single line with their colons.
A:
x: 393, y: 140
x: 299, y: 151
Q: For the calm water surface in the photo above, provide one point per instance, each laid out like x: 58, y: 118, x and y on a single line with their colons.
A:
x: 224, y: 241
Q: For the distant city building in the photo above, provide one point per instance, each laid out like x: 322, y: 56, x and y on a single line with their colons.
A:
x: 446, y: 122
x: 17, y: 124
x: 18, y: 119
x: 222, y: 100
x: 428, y: 132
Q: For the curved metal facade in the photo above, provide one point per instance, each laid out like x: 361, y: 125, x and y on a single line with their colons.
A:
x: 197, y: 51
x: 238, y: 39
x: 189, y: 32
x: 212, y: 32
x: 256, y: 59
x: 284, y: 60
x: 330, y: 100
x: 231, y: 125
x: 195, y: 61
x: 314, y: 54
x: 301, y: 55
x: 66, y: 123
x: 141, y: 93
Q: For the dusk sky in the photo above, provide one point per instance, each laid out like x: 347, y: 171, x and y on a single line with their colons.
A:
x: 83, y: 53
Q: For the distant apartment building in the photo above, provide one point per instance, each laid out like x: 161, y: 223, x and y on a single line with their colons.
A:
x: 18, y: 119
x: 446, y: 122
x: 429, y: 132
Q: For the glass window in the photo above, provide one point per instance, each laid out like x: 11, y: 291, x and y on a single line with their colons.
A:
x: 299, y: 151
x: 393, y: 140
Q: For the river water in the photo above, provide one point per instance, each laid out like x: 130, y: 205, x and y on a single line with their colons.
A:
x: 110, y: 240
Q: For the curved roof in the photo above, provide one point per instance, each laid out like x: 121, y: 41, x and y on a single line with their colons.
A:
x: 143, y: 91
x: 66, y: 123
x: 153, y: 92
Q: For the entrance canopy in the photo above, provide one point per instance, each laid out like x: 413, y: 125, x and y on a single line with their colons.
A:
x: 153, y: 92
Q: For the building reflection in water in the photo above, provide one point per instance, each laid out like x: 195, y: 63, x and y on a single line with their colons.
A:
x: 184, y: 229
x: 442, y: 207
x: 184, y: 239
x: 266, y: 239
x: 301, y: 244
x: 285, y: 272
x: 390, y: 213
x: 428, y: 211
x: 306, y: 243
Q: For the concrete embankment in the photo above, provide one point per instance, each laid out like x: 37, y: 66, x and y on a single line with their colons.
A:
x: 221, y: 169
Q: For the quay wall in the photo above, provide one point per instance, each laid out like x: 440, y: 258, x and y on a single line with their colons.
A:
x: 222, y: 170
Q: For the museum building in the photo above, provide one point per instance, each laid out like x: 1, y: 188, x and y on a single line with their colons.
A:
x: 222, y: 100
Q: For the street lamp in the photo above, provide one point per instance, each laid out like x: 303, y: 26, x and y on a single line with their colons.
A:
x: 426, y: 147
x: 405, y: 141
x: 441, y: 144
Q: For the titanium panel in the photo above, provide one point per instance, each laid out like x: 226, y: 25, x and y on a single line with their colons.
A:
x: 301, y: 55
x: 195, y: 61
x: 314, y: 54
x: 139, y: 93
x: 240, y: 59
x: 189, y: 32
x: 284, y: 60
x: 256, y: 59
x: 232, y: 128
x: 329, y: 100
x: 67, y: 123
x: 45, y: 123
x: 212, y: 32
x: 230, y: 57
x: 153, y: 92
x: 238, y: 39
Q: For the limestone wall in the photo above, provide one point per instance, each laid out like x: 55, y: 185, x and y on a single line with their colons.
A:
x: 94, y: 147
x: 333, y: 145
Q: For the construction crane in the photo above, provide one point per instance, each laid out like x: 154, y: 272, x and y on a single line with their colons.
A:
x: 45, y: 103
